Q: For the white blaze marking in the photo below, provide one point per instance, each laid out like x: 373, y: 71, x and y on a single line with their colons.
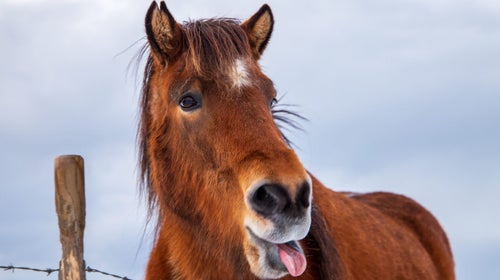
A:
x: 239, y: 74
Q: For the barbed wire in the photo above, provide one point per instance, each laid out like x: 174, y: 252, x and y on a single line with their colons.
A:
x: 89, y: 269
x: 52, y: 270
x: 13, y: 268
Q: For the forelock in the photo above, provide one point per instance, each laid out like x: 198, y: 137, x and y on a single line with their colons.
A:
x: 215, y: 45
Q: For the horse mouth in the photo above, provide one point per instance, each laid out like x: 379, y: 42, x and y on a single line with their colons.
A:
x: 278, y: 259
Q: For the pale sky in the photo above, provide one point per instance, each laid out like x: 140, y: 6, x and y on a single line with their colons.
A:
x: 400, y: 96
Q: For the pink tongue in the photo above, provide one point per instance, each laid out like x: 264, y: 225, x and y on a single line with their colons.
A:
x: 294, y: 260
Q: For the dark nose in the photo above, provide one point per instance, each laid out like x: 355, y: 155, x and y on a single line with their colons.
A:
x: 270, y: 199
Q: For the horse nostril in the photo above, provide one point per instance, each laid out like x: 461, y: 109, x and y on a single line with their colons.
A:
x: 304, y: 195
x: 270, y: 199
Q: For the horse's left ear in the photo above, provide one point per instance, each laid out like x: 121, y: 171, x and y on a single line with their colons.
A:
x: 259, y: 28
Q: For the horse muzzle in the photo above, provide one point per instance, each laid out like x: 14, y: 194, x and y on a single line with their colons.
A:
x: 279, y: 216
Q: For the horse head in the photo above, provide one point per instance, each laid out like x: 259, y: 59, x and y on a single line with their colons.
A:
x: 213, y: 158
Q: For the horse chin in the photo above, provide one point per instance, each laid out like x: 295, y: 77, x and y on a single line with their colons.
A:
x: 263, y: 254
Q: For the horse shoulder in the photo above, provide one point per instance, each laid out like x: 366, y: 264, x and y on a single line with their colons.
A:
x: 383, y: 236
x: 420, y: 221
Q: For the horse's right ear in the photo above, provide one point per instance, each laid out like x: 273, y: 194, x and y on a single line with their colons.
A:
x: 164, y: 33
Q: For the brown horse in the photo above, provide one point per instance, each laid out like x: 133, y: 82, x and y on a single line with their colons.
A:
x: 233, y: 200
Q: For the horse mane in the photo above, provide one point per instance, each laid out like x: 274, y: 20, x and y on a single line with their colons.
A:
x: 143, y: 135
x: 322, y: 248
x: 211, y: 46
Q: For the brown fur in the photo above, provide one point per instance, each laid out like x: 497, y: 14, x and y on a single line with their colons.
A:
x: 197, y: 167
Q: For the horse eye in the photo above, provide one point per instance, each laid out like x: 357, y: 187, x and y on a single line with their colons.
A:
x: 273, y: 102
x: 189, y: 102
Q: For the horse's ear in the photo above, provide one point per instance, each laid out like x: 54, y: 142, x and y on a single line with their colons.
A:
x: 163, y: 32
x: 259, y: 28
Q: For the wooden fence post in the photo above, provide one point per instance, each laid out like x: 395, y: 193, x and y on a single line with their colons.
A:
x: 70, y: 207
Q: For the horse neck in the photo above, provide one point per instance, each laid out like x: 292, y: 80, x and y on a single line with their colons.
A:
x: 194, y: 253
x: 324, y: 260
